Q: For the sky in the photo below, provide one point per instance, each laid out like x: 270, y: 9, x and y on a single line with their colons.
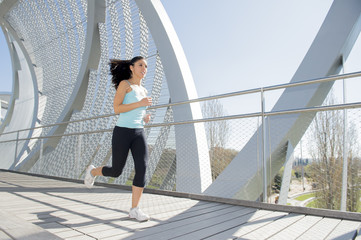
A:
x: 241, y: 44
x: 5, y: 66
x: 234, y: 45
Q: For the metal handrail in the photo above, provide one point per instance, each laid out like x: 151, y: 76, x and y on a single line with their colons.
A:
x: 231, y: 117
x: 231, y: 94
x: 264, y: 89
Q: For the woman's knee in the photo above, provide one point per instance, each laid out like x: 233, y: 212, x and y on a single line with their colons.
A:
x: 139, y: 178
x: 139, y: 182
x: 115, y: 174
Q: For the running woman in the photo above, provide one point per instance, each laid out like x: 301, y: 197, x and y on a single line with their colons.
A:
x: 130, y: 102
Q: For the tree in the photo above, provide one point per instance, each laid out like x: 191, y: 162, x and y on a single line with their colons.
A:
x: 217, y: 131
x: 277, y: 181
x: 217, y: 135
x: 327, y: 152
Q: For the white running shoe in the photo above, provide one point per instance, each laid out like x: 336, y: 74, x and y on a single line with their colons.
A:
x: 89, y: 178
x: 138, y: 214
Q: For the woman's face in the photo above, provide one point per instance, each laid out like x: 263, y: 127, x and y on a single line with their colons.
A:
x: 139, y: 69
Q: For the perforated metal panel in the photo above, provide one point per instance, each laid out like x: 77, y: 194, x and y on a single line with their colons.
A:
x: 123, y: 35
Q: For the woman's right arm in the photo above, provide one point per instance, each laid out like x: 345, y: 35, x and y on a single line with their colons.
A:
x: 118, y: 105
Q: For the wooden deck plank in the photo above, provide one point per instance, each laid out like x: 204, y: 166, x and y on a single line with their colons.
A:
x: 258, y: 219
x: 128, y: 225
x: 71, y: 211
x: 345, y: 230
x: 235, y: 219
x: 273, y: 227
x: 162, y: 231
x: 207, y: 222
x: 4, y: 236
x: 131, y: 225
x: 296, y: 229
x: 18, y: 228
x: 358, y: 237
x: 321, y: 229
x: 160, y: 219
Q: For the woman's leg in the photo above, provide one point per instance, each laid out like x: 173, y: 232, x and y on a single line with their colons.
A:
x: 121, y: 142
x: 136, y: 195
x: 135, y: 211
x: 139, y: 150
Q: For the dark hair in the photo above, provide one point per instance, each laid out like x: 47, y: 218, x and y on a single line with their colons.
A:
x: 120, y: 69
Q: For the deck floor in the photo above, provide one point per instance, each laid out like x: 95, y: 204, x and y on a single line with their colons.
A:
x: 33, y: 207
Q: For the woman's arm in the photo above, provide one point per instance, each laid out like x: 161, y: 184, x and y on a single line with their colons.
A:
x: 146, y: 118
x: 118, y: 105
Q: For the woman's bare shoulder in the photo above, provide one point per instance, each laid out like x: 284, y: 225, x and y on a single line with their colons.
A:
x: 124, y: 87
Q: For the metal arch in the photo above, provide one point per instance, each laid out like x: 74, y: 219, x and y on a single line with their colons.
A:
x: 190, y: 154
x: 91, y: 56
x: 25, y: 113
x: 333, y: 42
x: 193, y: 164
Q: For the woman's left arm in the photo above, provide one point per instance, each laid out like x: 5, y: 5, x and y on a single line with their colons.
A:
x: 146, y: 118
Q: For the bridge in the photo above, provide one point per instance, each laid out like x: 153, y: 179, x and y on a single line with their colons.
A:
x: 60, y: 118
x: 38, y: 207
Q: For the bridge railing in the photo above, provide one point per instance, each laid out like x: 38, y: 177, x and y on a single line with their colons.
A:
x: 318, y: 175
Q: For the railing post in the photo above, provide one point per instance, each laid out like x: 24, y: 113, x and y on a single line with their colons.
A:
x: 303, y: 174
x: 264, y: 158
x: 16, y: 147
x: 41, y: 155
x: 345, y: 163
x: 78, y: 156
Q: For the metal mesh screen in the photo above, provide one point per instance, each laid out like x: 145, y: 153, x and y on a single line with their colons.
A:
x: 56, y: 55
x: 123, y: 35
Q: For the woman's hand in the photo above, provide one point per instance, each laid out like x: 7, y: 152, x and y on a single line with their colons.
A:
x: 146, y: 118
x: 147, y: 101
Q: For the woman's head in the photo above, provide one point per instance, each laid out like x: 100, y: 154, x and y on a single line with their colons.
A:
x: 124, y: 69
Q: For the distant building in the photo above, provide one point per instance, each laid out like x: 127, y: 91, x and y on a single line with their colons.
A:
x: 301, y: 161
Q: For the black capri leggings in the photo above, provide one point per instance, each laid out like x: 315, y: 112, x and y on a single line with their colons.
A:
x: 123, y: 140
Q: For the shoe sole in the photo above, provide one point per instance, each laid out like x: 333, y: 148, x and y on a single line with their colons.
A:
x: 146, y: 220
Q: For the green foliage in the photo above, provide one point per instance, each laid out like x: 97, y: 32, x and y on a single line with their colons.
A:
x: 277, y: 182
x: 327, y: 179
x: 164, y: 167
x: 318, y: 203
x: 306, y: 170
x: 220, y: 158
x: 305, y: 196
x: 312, y: 204
x: 297, y: 171
x: 326, y: 169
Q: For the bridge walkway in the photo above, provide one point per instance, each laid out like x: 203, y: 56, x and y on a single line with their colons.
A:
x: 38, y: 207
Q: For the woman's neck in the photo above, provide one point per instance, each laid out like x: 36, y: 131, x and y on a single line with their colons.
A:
x: 134, y: 81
